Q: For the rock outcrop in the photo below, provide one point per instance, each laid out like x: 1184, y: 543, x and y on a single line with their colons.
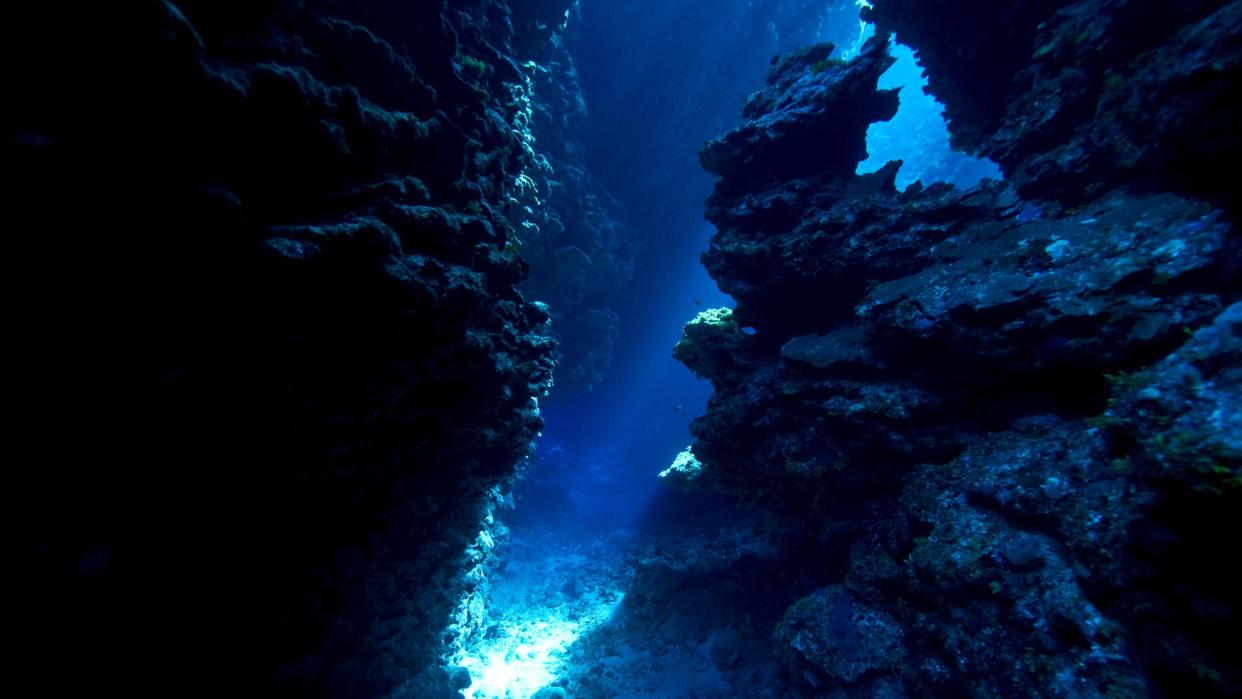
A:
x: 1000, y: 423
x: 268, y: 364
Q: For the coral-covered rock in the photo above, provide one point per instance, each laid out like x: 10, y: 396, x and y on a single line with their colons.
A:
x: 999, y: 420
x: 684, y: 469
x: 1181, y: 416
x: 840, y: 638
x: 1022, y: 532
x: 1016, y: 295
x: 711, y: 343
x: 789, y: 132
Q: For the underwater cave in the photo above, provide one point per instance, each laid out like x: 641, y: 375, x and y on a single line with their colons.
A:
x: 625, y: 349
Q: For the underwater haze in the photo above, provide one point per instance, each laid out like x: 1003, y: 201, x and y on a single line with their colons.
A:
x: 625, y: 349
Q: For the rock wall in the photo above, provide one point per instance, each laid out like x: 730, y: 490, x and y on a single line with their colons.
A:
x: 1000, y: 423
x: 268, y: 367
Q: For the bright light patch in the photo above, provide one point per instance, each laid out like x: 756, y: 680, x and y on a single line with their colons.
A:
x: 529, y: 652
x: 514, y: 667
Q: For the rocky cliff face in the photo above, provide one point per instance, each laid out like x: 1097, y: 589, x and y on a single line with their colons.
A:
x: 1000, y: 423
x: 267, y: 359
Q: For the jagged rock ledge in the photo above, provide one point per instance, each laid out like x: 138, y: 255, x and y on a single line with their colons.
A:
x: 1000, y: 422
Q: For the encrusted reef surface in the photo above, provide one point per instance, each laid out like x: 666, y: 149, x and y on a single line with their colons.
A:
x: 1000, y: 424
x: 267, y: 365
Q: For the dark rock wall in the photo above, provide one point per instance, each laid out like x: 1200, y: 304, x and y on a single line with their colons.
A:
x: 999, y: 423
x: 268, y: 369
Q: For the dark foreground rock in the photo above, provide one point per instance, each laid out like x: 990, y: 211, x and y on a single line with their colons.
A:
x: 1000, y: 423
x: 268, y: 369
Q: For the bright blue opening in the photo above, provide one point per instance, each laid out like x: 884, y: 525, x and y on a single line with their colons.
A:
x: 918, y: 135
